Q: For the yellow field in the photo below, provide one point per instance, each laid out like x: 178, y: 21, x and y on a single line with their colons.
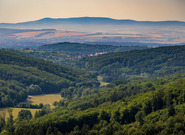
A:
x: 102, y: 83
x: 45, y: 99
x: 15, y: 111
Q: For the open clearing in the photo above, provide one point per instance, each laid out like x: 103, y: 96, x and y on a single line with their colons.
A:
x: 100, y: 78
x: 15, y: 111
x: 45, y: 99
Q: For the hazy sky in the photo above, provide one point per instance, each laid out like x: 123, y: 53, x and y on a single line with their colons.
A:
x: 151, y: 10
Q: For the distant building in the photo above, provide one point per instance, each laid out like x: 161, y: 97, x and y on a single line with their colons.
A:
x: 78, y: 57
x: 90, y: 54
x: 100, y: 53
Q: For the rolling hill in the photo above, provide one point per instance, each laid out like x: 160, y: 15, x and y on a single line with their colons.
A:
x: 151, y: 107
x: 154, y: 105
x: 146, y: 63
x: 86, y: 49
x: 34, y: 76
x: 64, y: 53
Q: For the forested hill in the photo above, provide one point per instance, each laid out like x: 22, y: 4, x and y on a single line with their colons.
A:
x: 65, y: 53
x: 20, y: 76
x: 137, y: 63
x: 87, y: 48
x: 155, y: 107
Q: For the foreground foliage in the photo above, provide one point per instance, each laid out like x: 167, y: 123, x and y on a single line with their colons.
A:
x: 148, y: 107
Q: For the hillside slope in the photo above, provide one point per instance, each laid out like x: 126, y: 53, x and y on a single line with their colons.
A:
x: 65, y: 52
x: 153, y: 107
x: 38, y: 77
x: 137, y: 64
x: 86, y: 49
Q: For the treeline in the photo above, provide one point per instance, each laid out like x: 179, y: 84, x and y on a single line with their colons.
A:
x: 85, y: 49
x: 39, y: 77
x: 11, y: 93
x: 155, y: 107
x: 135, y: 64
x: 66, y: 53
x: 29, y: 105
x: 117, y: 64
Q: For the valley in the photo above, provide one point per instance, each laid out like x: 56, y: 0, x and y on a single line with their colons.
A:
x: 92, y: 67
x: 128, y: 90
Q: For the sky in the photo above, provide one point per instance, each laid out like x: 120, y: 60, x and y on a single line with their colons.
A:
x: 13, y: 11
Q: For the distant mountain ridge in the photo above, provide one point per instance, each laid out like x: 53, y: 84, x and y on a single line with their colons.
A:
x: 94, y: 29
x: 94, y: 20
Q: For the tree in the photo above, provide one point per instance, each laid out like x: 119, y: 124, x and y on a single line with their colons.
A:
x: 116, y: 116
x: 139, y: 117
x: 171, y: 111
x: 2, y: 122
x: 85, y: 129
x: 104, y: 116
x: 9, y: 125
x: 24, y: 115
x: 34, y: 89
x: 10, y: 119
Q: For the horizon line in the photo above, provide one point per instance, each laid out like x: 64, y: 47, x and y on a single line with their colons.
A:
x: 91, y: 17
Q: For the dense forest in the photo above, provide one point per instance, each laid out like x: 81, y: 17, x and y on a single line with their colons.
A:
x: 23, y: 76
x: 86, y: 49
x: 145, y: 94
x: 66, y: 53
x: 151, y: 107
x: 134, y: 64
x: 120, y: 62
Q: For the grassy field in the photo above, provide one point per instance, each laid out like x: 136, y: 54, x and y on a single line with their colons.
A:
x: 102, y: 83
x: 45, y: 99
x: 15, y: 111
